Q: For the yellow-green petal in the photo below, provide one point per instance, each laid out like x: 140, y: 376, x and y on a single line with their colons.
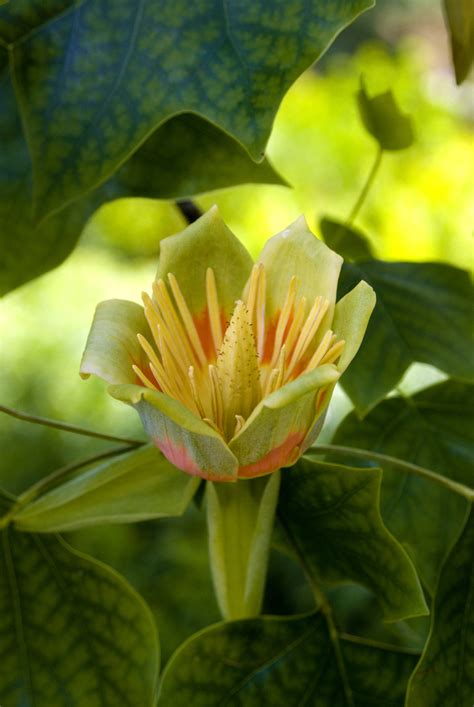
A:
x: 297, y: 251
x: 351, y: 317
x: 206, y: 243
x: 112, y: 347
x: 274, y: 433
x: 185, y: 440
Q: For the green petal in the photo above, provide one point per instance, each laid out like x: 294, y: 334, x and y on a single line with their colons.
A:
x: 351, y: 317
x: 206, y: 243
x: 297, y: 251
x: 185, y: 440
x: 274, y: 434
x: 112, y: 346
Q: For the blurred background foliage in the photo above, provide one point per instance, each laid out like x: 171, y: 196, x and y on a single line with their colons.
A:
x: 420, y: 208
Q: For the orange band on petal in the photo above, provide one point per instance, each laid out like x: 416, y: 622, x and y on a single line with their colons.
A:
x: 283, y: 455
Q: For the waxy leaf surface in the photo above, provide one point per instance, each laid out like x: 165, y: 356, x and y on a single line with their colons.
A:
x: 331, y: 516
x: 445, y: 673
x: 432, y: 429
x: 85, y: 85
x: 423, y: 313
x: 283, y: 661
x: 72, y: 631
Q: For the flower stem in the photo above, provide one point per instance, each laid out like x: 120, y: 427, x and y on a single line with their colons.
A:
x: 366, y: 187
x: 75, y: 429
x: 240, y: 518
x: 410, y: 468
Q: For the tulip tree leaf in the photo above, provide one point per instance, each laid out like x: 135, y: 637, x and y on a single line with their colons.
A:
x: 348, y: 241
x: 135, y: 487
x: 423, y: 313
x: 445, y: 673
x: 432, y: 429
x: 72, y: 631
x: 94, y: 80
x: 172, y: 163
x: 282, y: 661
x: 189, y: 156
x: 383, y: 119
x: 331, y: 515
x: 460, y: 20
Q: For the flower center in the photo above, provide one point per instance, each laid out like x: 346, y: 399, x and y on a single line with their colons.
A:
x: 221, y: 372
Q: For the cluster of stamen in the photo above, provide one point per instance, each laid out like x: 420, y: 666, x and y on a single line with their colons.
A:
x: 247, y: 359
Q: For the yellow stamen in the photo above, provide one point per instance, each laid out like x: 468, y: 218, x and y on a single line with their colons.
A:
x: 187, y: 319
x: 213, y: 309
x: 163, y: 314
x: 320, y: 351
x: 283, y: 319
x: 260, y: 312
x: 333, y: 353
x: 216, y: 397
x: 143, y: 378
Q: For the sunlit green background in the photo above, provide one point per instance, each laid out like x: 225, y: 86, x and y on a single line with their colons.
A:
x: 420, y: 208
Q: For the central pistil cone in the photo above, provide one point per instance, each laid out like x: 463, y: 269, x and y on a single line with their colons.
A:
x: 221, y: 372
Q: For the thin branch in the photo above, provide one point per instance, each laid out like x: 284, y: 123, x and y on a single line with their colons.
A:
x: 366, y: 187
x: 65, y: 427
x: 410, y: 468
x: 189, y: 209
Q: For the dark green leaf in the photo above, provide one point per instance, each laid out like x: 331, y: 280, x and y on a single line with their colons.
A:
x: 445, y: 673
x: 281, y: 662
x: 331, y: 515
x: 383, y: 119
x: 94, y: 80
x: 348, y: 241
x: 433, y: 429
x: 72, y: 631
x: 460, y: 19
x: 189, y: 156
x: 423, y: 313
x: 137, y: 486
x: 174, y: 162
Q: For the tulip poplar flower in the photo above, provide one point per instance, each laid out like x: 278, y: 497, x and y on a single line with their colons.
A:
x: 231, y: 366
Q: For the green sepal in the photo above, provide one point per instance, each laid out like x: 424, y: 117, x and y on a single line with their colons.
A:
x: 137, y: 486
x: 206, y: 243
x: 240, y: 521
x: 112, y: 346
x: 272, y: 436
x: 297, y: 251
x: 185, y: 440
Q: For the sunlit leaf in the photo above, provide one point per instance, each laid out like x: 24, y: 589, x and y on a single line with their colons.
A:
x: 283, y: 661
x: 460, y: 20
x: 383, y: 119
x: 445, y: 673
x: 348, y: 241
x: 94, y: 80
x: 432, y: 429
x: 423, y: 313
x: 135, y: 487
x: 331, y: 515
x: 73, y: 633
